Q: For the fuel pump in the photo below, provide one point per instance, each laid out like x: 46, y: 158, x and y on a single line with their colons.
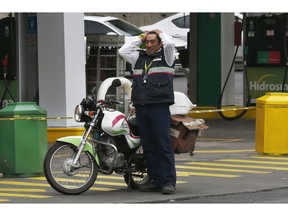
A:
x: 265, y: 54
x: 5, y: 64
x: 7, y: 58
x: 285, y: 25
x: 269, y: 41
x: 238, y: 28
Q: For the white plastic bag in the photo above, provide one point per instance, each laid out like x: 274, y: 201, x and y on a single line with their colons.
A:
x: 182, y: 104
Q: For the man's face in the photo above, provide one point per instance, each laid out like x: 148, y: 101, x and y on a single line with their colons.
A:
x: 152, y: 44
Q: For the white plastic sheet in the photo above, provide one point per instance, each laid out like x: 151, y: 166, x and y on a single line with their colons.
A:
x: 182, y: 104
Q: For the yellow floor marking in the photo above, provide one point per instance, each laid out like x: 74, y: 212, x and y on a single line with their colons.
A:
x: 224, y: 151
x: 113, y: 189
x: 183, y: 174
x: 220, y: 140
x: 181, y: 182
x: 38, y: 178
x: 99, y: 176
x: 24, y: 183
x: 59, y: 179
x: 236, y: 165
x: 102, y: 189
x: 110, y: 183
x: 24, y: 195
x: 110, y: 177
x: 270, y: 158
x: 46, y: 185
x: 4, y: 200
x: 207, y: 174
x: 22, y: 190
x: 253, y: 161
x: 221, y: 169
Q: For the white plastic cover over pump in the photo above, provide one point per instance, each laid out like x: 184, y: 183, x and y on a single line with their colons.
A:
x: 182, y: 104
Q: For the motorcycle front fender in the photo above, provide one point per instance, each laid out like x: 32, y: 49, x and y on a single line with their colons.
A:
x: 76, y: 140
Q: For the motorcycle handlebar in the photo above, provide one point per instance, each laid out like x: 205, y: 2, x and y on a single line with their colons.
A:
x: 110, y: 101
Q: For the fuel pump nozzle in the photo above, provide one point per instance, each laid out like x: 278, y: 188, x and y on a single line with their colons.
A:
x: 5, y: 63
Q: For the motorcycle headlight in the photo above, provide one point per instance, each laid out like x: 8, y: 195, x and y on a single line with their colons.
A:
x: 79, y: 113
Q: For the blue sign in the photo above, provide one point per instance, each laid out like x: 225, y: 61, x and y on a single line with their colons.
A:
x: 32, y: 24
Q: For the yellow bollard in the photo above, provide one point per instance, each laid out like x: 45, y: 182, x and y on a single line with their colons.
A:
x: 271, y: 136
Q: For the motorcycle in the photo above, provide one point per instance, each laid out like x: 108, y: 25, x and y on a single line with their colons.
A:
x: 110, y: 143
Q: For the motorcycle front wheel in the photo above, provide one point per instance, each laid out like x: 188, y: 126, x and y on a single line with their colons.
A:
x: 63, y: 176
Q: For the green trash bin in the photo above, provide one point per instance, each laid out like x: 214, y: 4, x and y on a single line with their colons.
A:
x: 23, y: 139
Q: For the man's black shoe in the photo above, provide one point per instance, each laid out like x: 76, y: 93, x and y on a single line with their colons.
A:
x: 168, y: 189
x: 150, y: 188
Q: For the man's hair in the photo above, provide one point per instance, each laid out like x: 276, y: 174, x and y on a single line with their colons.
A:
x: 153, y: 32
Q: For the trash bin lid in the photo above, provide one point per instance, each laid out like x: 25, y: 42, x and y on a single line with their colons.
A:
x: 276, y: 98
x: 22, y: 109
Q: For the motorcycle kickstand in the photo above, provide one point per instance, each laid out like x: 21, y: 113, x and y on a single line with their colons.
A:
x: 129, y: 182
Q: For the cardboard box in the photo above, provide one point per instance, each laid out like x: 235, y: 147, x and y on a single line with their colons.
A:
x: 184, y: 132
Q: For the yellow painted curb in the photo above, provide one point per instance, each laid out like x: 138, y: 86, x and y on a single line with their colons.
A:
x: 54, y: 133
x: 211, y: 112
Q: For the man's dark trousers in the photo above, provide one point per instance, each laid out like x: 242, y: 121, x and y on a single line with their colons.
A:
x: 154, y: 126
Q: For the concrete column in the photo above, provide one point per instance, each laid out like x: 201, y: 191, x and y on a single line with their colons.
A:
x: 227, y: 53
x: 211, y: 49
x: 193, y: 58
x: 61, y: 64
x: 26, y: 54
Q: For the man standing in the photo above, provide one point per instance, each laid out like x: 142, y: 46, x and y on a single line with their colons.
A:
x: 152, y: 94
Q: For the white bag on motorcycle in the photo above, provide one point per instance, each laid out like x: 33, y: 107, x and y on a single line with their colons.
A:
x: 182, y: 104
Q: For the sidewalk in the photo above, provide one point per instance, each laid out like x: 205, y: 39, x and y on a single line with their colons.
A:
x: 225, y: 162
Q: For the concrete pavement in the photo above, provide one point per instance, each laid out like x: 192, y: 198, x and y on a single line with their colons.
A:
x: 225, y: 162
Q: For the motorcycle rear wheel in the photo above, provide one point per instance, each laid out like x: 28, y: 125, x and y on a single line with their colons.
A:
x: 139, y: 176
x: 65, y: 178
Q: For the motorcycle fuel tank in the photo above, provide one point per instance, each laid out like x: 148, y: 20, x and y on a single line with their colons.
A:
x: 114, y: 123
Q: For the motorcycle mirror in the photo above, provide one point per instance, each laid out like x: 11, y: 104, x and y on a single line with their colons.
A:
x: 116, y: 83
x: 94, y: 90
x: 88, y: 102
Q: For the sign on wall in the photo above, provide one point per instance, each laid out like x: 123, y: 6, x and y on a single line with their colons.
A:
x: 265, y: 79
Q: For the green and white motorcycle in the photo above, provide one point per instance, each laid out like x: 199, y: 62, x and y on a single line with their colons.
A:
x: 109, y: 144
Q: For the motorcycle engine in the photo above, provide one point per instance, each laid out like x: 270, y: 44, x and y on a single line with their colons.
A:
x: 108, y: 154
